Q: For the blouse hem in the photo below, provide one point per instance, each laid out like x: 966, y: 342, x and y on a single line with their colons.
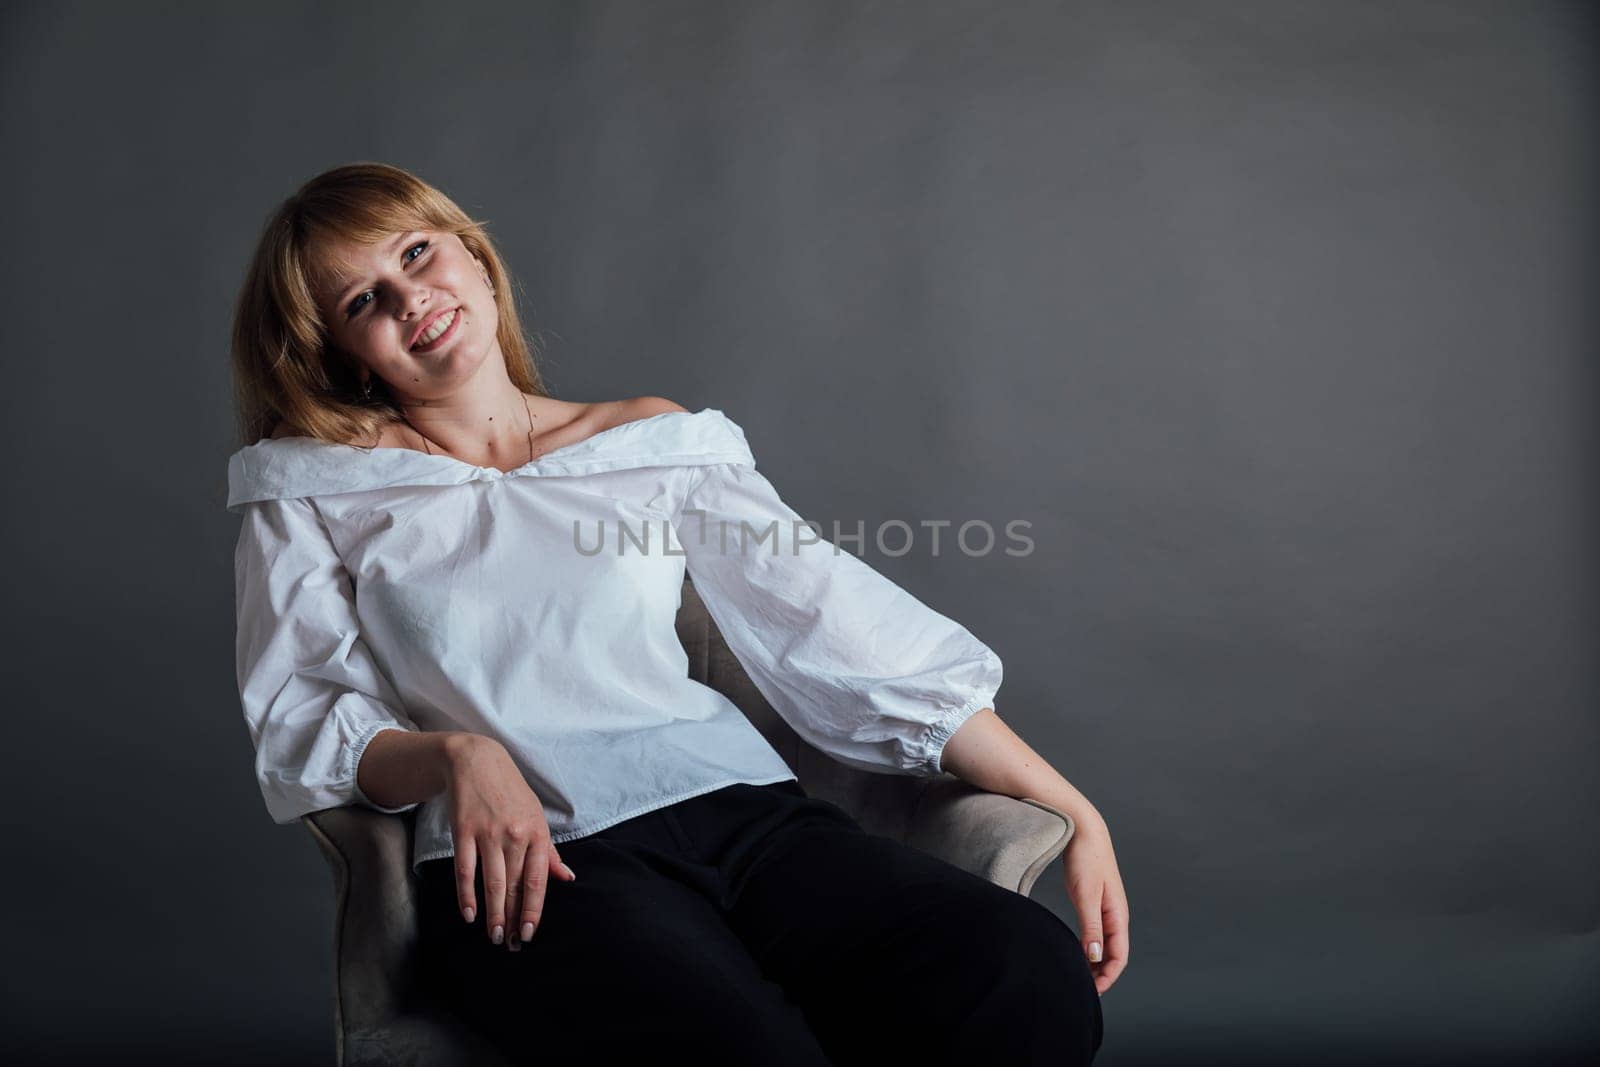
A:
x: 654, y: 805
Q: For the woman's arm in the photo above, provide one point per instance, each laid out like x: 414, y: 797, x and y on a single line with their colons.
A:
x: 311, y: 691
x: 985, y: 752
x: 857, y: 666
x: 402, y: 767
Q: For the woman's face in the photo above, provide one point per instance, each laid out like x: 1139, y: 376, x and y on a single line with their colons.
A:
x: 395, y: 296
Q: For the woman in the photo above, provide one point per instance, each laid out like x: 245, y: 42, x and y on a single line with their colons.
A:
x: 431, y: 616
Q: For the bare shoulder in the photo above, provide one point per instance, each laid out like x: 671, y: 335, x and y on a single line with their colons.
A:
x: 643, y: 407
x: 607, y: 414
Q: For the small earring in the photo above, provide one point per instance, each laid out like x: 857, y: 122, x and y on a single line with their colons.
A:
x: 366, y: 388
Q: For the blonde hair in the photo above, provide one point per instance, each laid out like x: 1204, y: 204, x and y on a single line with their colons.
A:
x: 286, y: 369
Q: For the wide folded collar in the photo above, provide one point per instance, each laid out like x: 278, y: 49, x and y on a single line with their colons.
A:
x: 274, y: 469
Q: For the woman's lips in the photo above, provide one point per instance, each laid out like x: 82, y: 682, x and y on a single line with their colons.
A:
x: 449, y: 332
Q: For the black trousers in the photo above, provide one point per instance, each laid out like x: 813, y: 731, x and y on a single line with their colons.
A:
x: 757, y: 925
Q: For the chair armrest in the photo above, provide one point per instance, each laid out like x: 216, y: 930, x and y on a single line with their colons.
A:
x: 375, y: 925
x: 999, y: 838
x: 382, y: 1016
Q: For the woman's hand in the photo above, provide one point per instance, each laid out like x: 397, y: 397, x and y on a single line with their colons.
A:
x: 497, y: 818
x: 1095, y: 887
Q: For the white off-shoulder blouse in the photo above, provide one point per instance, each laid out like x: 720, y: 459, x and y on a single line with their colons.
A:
x: 388, y: 589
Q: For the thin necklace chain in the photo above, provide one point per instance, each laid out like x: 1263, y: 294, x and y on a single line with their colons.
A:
x: 525, y: 410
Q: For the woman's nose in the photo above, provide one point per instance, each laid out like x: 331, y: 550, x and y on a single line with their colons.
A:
x: 414, y: 303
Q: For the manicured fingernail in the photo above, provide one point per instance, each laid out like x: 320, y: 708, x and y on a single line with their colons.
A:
x: 570, y: 872
x: 499, y: 934
x: 1094, y: 951
x: 468, y: 913
x: 527, y: 931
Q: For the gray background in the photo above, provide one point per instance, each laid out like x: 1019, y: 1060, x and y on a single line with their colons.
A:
x: 1275, y: 320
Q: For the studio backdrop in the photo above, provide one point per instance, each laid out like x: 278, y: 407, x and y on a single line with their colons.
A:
x: 1271, y: 321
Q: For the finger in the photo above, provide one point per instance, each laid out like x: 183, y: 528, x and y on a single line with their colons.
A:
x: 494, y: 893
x: 560, y: 867
x: 466, y: 873
x: 516, y: 857
x: 1116, y: 927
x: 535, y: 878
x: 1109, y: 973
x: 1087, y: 905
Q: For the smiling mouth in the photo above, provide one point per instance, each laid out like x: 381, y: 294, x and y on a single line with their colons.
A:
x: 434, y: 334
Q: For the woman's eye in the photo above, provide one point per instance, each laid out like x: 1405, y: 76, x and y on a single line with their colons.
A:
x: 358, y: 303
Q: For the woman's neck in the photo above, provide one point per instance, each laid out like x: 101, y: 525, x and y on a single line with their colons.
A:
x: 486, y: 431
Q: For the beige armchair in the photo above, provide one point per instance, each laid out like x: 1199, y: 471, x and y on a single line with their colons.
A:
x: 381, y: 1015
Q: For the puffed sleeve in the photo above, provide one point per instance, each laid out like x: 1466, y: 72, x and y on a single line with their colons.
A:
x: 858, y: 667
x: 312, y: 694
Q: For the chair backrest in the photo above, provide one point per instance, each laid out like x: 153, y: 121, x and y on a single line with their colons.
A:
x: 712, y: 663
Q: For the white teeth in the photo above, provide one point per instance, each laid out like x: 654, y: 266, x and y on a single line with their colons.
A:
x: 440, y: 326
